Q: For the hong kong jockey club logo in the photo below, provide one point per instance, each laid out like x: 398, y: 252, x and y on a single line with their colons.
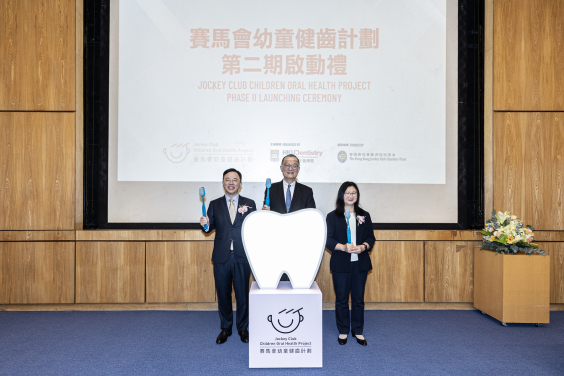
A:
x: 342, y: 156
x: 287, y: 320
x: 274, y: 155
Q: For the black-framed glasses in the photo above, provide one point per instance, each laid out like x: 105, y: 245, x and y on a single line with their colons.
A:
x: 288, y: 166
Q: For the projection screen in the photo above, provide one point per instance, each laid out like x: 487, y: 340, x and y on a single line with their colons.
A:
x: 364, y: 91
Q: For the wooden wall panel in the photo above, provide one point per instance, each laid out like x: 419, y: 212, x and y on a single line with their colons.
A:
x: 528, y: 55
x: 179, y: 272
x: 79, y: 116
x: 488, y: 105
x: 324, y: 278
x: 556, y: 252
x: 381, y: 235
x: 34, y: 236
x: 425, y: 235
x: 529, y: 167
x: 37, y: 171
x: 449, y: 271
x: 36, y: 273
x: 397, y: 274
x: 37, y: 46
x: 110, y: 272
x: 145, y: 235
x: 184, y: 235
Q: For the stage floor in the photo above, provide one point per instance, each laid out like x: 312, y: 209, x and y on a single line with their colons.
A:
x: 174, y: 342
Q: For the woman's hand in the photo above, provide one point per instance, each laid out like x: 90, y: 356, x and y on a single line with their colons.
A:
x: 348, y: 248
x: 358, y: 249
x: 264, y: 207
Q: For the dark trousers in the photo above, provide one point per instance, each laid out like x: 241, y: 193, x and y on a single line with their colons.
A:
x: 237, y: 274
x: 353, y: 283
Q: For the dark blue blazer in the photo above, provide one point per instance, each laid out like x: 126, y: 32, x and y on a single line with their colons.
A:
x: 337, y: 233
x: 218, y: 214
x: 302, y: 199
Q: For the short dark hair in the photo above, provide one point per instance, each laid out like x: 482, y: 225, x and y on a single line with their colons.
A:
x: 340, y: 203
x: 232, y: 170
x: 290, y: 155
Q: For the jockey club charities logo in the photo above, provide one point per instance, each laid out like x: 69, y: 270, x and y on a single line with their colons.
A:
x: 177, y: 152
x: 342, y: 156
x: 286, y: 320
x: 274, y: 155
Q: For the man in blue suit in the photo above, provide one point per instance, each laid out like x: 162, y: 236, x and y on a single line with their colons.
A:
x: 230, y: 264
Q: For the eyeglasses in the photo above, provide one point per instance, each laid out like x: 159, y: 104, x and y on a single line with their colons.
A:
x: 351, y: 194
x: 288, y: 166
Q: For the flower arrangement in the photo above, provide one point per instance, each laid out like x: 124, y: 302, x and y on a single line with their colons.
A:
x: 360, y: 219
x: 243, y: 209
x: 505, y: 233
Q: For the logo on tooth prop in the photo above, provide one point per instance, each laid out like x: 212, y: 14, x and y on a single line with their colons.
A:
x: 291, y: 243
x: 286, y: 320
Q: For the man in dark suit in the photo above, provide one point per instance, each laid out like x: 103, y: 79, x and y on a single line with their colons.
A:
x: 230, y: 264
x: 288, y: 195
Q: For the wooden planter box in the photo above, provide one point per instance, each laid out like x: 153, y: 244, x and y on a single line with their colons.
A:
x: 512, y: 288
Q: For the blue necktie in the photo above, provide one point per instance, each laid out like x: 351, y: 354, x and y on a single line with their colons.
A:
x: 288, y: 199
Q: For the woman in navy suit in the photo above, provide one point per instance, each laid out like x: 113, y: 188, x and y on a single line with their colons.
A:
x: 350, y: 261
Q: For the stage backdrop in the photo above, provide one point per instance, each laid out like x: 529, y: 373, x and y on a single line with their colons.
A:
x: 358, y: 91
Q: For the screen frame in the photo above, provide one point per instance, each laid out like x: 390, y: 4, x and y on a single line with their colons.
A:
x: 470, y: 170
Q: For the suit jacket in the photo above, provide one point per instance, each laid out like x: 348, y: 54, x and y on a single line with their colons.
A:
x: 225, y: 231
x: 302, y: 198
x: 337, y: 233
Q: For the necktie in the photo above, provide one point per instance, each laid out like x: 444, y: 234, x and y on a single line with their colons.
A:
x: 231, y: 215
x: 231, y: 210
x: 288, y: 199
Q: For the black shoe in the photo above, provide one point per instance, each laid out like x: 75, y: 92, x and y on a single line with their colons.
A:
x: 342, y: 341
x: 222, y: 337
x: 361, y: 341
x: 244, y: 334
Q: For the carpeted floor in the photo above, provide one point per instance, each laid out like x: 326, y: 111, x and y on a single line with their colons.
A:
x: 177, y: 343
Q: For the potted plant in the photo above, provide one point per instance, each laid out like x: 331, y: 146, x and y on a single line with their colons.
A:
x: 511, y: 273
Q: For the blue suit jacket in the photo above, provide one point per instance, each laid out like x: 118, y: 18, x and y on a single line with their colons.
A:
x: 337, y: 233
x: 225, y: 232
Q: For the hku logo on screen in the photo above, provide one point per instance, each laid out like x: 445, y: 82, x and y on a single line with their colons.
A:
x: 274, y: 155
x: 287, y: 320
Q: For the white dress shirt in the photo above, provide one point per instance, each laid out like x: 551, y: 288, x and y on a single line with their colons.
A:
x: 352, y: 225
x: 235, y: 201
x: 292, y: 187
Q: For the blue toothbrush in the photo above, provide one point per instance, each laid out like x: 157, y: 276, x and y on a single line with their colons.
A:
x: 268, y: 185
x: 347, y: 216
x: 203, y: 194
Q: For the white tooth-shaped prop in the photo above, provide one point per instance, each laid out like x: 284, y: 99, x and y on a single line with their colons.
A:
x: 291, y: 243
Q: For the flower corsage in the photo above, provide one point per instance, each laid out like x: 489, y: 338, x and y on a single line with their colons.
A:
x: 243, y: 209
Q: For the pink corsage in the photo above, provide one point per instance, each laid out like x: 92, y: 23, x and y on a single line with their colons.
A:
x: 243, y: 209
x: 360, y: 219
